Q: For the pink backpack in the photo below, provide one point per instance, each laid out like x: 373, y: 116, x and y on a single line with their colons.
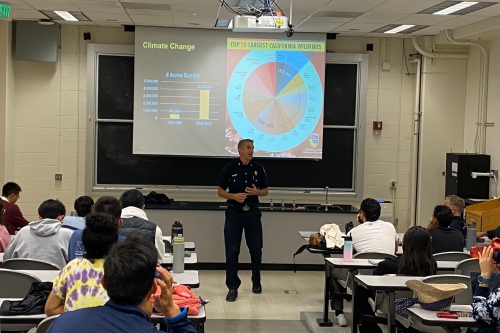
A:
x: 184, y: 297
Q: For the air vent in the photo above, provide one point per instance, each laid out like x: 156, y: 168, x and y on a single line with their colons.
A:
x: 447, y: 4
x: 146, y: 6
x: 337, y: 14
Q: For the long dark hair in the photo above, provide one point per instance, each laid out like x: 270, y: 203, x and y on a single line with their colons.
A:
x: 417, y: 258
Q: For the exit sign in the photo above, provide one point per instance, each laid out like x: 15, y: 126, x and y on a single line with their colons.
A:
x: 4, y: 11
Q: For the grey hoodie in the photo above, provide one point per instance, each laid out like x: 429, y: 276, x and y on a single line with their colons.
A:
x: 41, y: 240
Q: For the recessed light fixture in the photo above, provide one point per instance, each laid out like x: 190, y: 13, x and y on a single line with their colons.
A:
x: 65, y: 15
x: 399, y: 29
x: 195, y: 14
x: 457, y: 7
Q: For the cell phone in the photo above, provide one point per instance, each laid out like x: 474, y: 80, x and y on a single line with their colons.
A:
x: 447, y: 315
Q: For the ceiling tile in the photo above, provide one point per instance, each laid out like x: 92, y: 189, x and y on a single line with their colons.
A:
x: 99, y: 6
x: 149, y: 12
x: 184, y: 21
x: 359, y: 27
x: 104, y: 17
x: 164, y: 20
x: 405, y: 6
x: 17, y: 4
x: 353, y: 5
x: 26, y: 14
x: 52, y: 5
x: 465, y: 20
x: 203, y: 11
x: 215, y: 3
x: 379, y: 17
x: 425, y: 19
x: 317, y: 27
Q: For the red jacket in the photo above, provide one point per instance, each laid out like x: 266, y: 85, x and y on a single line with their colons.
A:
x: 13, y: 219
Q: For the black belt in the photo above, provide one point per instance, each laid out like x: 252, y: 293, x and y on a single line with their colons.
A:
x: 244, y: 208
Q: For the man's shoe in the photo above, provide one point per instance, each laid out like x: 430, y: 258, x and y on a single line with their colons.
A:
x: 341, y: 321
x: 257, y: 288
x: 231, y: 295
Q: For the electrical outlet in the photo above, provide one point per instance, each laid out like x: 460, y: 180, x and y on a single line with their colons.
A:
x: 392, y: 184
x: 58, y: 176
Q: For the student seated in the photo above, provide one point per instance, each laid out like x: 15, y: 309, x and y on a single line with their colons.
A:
x: 457, y: 206
x: 444, y: 238
x: 13, y: 218
x: 416, y: 260
x: 4, y: 233
x: 78, y: 285
x: 486, y: 303
x: 84, y: 205
x: 136, y: 223
x: 105, y: 205
x: 372, y: 235
x: 44, y: 239
x: 129, y: 279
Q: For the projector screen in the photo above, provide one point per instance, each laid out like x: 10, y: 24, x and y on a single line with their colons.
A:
x: 198, y: 92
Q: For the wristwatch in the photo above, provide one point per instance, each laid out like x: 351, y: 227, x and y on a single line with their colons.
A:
x: 483, y: 280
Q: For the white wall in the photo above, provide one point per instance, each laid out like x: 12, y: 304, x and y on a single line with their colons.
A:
x: 48, y: 115
x: 493, y: 104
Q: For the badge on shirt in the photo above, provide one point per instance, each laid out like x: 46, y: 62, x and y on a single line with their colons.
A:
x: 234, y: 175
x: 256, y: 173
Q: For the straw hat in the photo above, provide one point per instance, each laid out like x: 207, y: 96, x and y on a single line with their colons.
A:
x: 435, y: 295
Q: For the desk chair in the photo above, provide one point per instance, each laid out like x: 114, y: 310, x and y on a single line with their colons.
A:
x: 467, y: 266
x: 464, y: 298
x: 451, y: 256
x: 29, y: 264
x: 43, y: 326
x: 15, y: 285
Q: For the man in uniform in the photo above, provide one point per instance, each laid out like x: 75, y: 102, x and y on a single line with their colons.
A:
x: 241, y: 182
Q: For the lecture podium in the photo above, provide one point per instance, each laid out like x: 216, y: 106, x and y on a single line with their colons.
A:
x: 485, y: 214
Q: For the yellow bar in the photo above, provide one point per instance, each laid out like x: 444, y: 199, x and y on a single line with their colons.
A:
x: 174, y: 116
x: 204, y: 101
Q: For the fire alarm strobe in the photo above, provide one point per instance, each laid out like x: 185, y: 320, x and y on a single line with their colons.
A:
x: 377, y: 125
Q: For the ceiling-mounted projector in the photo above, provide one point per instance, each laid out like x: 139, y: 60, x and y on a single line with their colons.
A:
x: 266, y: 23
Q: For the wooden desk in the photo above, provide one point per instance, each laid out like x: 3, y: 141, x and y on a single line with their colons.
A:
x: 429, y: 318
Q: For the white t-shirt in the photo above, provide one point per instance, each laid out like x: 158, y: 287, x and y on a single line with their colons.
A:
x: 377, y: 236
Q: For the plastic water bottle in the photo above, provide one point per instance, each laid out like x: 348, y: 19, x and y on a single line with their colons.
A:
x: 347, y: 248
x: 178, y: 257
x: 177, y: 229
x: 471, y: 236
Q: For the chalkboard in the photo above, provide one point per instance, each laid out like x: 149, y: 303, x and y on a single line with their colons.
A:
x: 116, y: 165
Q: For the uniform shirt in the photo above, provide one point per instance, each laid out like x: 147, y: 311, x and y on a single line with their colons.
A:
x: 79, y: 284
x: 458, y: 223
x: 114, y: 317
x: 236, y: 176
x: 377, y: 236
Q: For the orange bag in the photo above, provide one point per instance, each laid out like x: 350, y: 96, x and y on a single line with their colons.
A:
x: 184, y: 297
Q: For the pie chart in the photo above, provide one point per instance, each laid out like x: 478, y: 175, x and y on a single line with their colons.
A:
x: 275, y: 98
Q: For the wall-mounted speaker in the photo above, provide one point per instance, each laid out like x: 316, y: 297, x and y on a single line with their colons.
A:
x: 86, y: 36
x: 129, y: 28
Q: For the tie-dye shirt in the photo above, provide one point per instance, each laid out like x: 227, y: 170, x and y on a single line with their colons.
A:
x: 79, y: 284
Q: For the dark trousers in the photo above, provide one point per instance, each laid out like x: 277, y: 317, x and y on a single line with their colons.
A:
x: 236, y: 221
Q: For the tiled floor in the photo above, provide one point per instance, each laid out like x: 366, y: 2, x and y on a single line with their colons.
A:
x: 272, y: 304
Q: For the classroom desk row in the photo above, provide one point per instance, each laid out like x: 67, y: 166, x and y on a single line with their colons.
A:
x: 389, y: 284
x: 188, y: 278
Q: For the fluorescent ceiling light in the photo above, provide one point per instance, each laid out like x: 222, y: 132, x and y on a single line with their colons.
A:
x: 65, y: 15
x: 399, y: 29
x: 456, y: 8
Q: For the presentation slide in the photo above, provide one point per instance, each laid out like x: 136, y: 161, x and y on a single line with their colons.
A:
x: 198, y: 92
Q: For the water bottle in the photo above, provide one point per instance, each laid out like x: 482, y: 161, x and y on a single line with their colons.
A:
x: 347, y: 248
x: 178, y: 257
x: 471, y: 236
x: 176, y: 229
